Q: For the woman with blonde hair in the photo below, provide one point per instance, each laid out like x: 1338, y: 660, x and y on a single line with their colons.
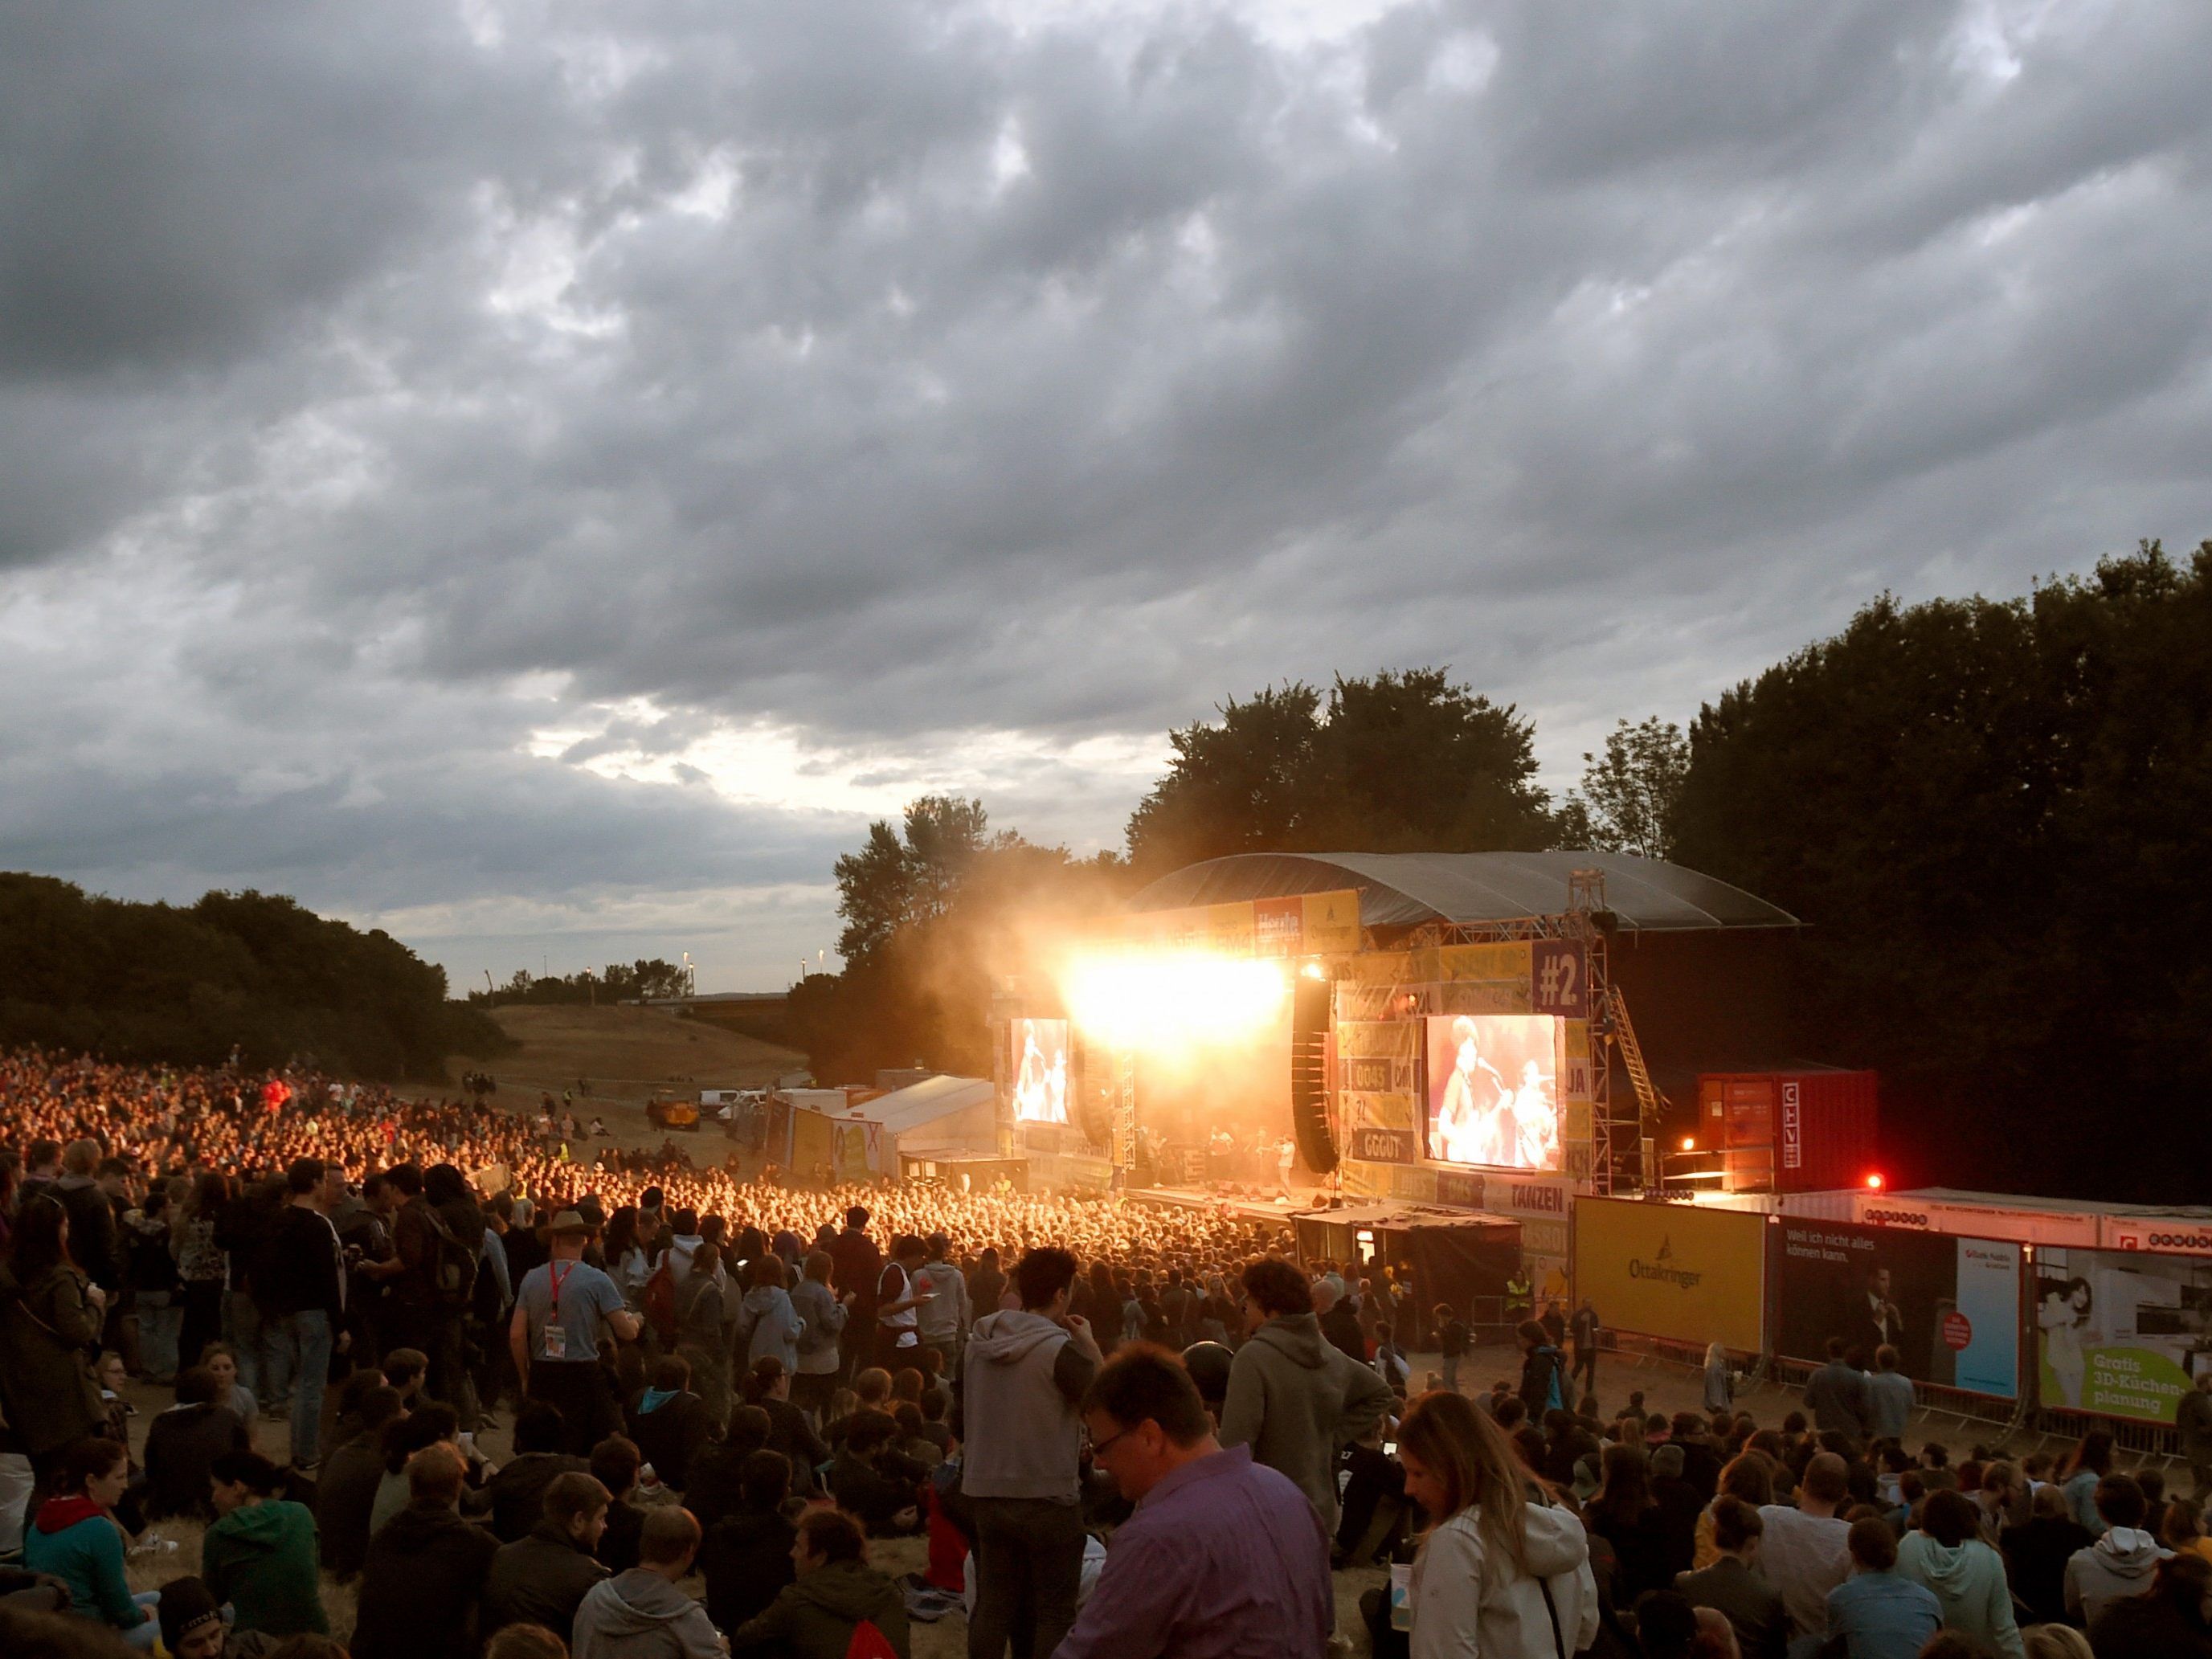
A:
x: 1720, y: 1381
x: 1503, y: 1569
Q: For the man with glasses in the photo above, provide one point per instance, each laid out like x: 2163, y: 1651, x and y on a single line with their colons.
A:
x: 1224, y: 1559
x: 1025, y: 1373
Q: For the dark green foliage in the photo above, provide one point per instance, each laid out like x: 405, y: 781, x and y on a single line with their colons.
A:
x: 1402, y: 763
x: 181, y: 985
x: 1994, y: 817
x: 638, y: 981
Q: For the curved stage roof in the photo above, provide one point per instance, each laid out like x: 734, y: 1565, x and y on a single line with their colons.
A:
x: 1400, y: 890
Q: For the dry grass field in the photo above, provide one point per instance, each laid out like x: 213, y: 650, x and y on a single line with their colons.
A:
x: 624, y: 1054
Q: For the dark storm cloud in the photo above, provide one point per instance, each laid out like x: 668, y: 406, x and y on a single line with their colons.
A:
x: 911, y: 376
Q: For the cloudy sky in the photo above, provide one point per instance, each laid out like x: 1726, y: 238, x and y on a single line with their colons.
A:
x: 538, y: 476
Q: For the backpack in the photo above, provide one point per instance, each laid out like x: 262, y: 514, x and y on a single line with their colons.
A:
x: 452, y: 1263
x: 869, y: 1643
x: 657, y: 1302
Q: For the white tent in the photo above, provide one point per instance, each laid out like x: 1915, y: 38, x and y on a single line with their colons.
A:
x: 941, y: 1111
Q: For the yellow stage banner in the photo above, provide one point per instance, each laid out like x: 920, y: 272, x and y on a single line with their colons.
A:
x: 1674, y: 1270
x: 813, y: 1143
x: 1330, y: 922
x: 1378, y: 1039
x: 1383, y: 1111
x: 1301, y: 924
x: 1380, y: 968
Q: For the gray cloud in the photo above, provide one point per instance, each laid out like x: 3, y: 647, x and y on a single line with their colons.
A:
x: 423, y: 411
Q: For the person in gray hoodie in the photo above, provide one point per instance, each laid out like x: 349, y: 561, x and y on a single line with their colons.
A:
x: 2123, y: 1562
x: 1022, y: 1378
x: 1293, y: 1398
x: 1948, y: 1556
x: 640, y: 1613
x: 768, y: 1323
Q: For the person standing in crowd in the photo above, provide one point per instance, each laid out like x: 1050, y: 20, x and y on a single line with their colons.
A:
x: 261, y: 1555
x: 1806, y: 1550
x: 1837, y: 1396
x: 2121, y: 1562
x: 2085, y: 1471
x: 898, y: 1302
x: 2193, y: 1417
x: 424, y: 1575
x: 1223, y: 1557
x: 945, y: 1313
x: 986, y: 1284
x: 560, y: 1309
x: 822, y: 1314
x: 202, y: 1271
x: 1733, y: 1586
x: 1452, y: 1343
x: 768, y: 1324
x: 1719, y: 1378
x: 50, y: 1314
x: 542, y: 1577
x: 1023, y: 1375
x: 2171, y: 1620
x: 640, y: 1613
x: 860, y: 1264
x: 1889, y: 1396
x: 304, y: 1277
x: 86, y: 1197
x: 1543, y: 1376
x: 439, y: 1233
x: 1294, y: 1399
x: 1582, y: 1334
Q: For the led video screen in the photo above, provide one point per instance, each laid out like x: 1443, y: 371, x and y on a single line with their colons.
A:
x: 1493, y: 1090
x: 1040, y: 1071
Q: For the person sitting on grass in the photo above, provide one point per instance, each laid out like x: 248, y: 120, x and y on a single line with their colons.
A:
x: 746, y: 1557
x: 641, y: 1614
x: 75, y: 1537
x: 833, y: 1594
x: 261, y: 1555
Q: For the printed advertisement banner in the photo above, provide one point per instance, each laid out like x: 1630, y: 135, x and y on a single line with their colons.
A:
x: 2118, y: 1334
x: 1672, y: 1270
x: 1949, y: 1306
x: 1309, y: 924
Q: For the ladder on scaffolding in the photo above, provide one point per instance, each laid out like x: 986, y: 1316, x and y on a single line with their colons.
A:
x: 1650, y: 1105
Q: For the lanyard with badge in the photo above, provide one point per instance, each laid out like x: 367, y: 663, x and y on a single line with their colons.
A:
x: 555, y: 1338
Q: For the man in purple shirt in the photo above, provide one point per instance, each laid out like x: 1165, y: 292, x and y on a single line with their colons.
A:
x: 1225, y: 1558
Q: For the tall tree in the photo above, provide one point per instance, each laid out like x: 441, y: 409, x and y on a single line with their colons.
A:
x: 1991, y: 814
x: 1406, y: 762
x: 1631, y: 796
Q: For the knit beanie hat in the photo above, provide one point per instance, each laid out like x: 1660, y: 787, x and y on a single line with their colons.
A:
x: 187, y: 1604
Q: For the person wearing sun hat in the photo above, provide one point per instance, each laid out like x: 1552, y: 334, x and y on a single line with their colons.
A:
x: 562, y: 1309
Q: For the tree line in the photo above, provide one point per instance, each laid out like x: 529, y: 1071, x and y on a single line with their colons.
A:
x: 642, y: 980
x: 251, y: 972
x: 1991, y: 814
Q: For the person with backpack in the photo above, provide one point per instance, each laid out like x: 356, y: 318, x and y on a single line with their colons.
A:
x: 438, y: 1232
x: 836, y: 1606
x: 1543, y: 1381
x: 1502, y: 1570
x: 561, y: 1310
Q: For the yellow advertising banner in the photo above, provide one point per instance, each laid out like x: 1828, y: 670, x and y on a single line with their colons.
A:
x: 1674, y: 1270
x: 813, y: 1143
x: 1301, y: 925
x: 1378, y: 1039
x: 1457, y: 963
x: 1380, y: 967
x: 1331, y: 922
x: 1383, y: 1111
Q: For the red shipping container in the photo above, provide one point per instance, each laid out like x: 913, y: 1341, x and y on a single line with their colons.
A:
x: 1802, y: 1130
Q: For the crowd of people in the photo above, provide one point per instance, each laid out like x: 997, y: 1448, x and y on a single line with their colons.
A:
x: 1116, y: 1429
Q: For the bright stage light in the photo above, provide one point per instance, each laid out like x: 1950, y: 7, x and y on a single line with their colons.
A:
x: 1172, y: 1002
x: 1314, y: 970
x: 1874, y: 1182
x: 1689, y: 1143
